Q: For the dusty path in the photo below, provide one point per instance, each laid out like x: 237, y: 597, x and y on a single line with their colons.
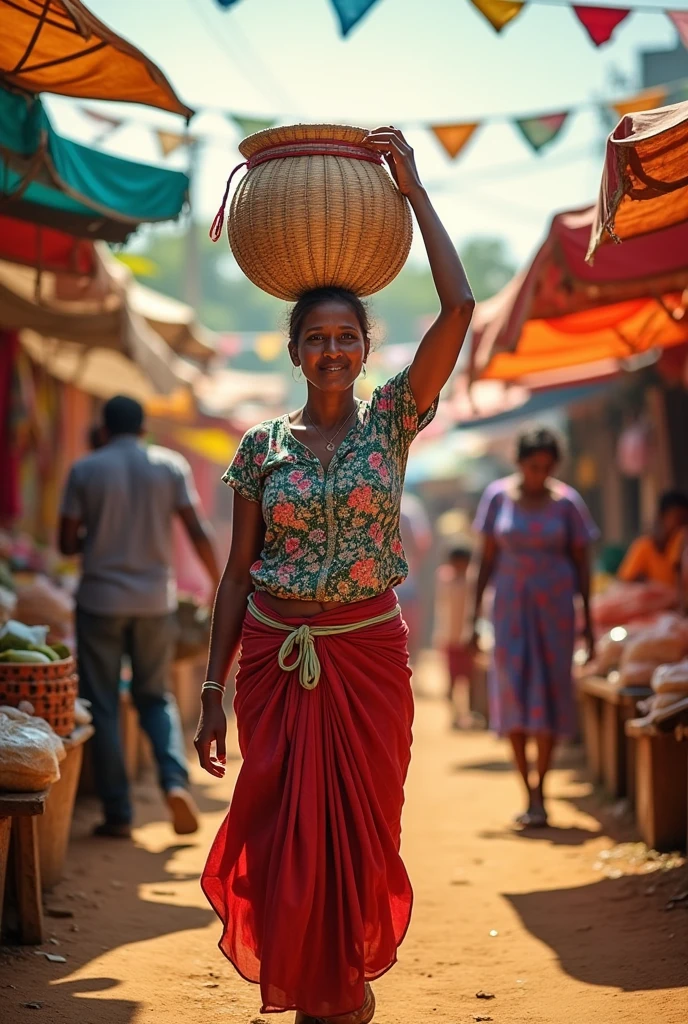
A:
x: 572, y: 943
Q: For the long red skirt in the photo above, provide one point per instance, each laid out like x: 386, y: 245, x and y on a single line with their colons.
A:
x: 305, y: 872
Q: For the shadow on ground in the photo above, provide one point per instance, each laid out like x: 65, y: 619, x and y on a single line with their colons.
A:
x: 615, y: 932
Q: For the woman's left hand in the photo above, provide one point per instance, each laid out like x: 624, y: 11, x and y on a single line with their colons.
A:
x: 399, y: 156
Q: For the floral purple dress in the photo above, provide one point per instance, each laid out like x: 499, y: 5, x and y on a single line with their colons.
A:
x: 530, y: 686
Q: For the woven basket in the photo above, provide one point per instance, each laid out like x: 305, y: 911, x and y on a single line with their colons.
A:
x: 51, y: 689
x: 303, y: 222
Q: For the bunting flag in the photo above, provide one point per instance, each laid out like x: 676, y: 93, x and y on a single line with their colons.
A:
x: 251, y: 125
x: 498, y: 12
x: 453, y: 136
x: 600, y: 22
x: 350, y: 12
x: 680, y: 20
x: 648, y: 99
x: 540, y: 131
x: 170, y: 141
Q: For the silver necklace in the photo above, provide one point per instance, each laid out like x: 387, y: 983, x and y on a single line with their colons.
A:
x: 329, y: 444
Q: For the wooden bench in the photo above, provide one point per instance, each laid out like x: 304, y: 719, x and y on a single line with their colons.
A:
x: 19, y: 813
x: 662, y: 776
x: 605, y: 711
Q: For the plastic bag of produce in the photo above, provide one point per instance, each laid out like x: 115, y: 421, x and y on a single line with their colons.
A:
x: 637, y: 673
x: 671, y: 678
x: 665, y: 642
x: 17, y: 636
x: 30, y: 752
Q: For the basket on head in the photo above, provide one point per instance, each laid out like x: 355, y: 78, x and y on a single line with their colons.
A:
x: 317, y: 208
x: 51, y: 689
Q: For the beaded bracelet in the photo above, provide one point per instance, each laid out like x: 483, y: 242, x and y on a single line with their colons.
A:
x: 210, y: 685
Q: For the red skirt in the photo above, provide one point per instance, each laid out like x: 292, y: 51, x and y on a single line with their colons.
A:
x: 305, y: 872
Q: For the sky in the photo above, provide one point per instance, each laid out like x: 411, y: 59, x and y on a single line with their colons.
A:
x: 408, y: 63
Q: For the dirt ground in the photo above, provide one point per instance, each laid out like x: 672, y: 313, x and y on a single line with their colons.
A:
x: 558, y: 926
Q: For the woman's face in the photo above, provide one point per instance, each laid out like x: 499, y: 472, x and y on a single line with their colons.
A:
x: 331, y: 348
x: 536, y: 469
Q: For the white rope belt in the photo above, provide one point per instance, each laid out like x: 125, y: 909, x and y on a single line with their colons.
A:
x: 306, y: 660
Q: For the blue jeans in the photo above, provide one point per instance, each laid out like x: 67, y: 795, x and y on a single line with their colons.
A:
x: 149, y: 642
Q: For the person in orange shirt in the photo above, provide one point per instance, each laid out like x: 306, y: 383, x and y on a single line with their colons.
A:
x: 656, y: 557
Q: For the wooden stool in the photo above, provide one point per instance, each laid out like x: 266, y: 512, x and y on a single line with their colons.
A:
x: 18, y: 824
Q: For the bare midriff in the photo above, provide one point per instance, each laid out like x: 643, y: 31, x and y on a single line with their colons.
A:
x: 293, y: 608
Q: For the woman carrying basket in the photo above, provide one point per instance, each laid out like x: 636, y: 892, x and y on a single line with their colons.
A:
x: 305, y: 872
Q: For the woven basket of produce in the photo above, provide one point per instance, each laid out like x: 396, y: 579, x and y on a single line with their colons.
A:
x: 316, y: 208
x: 50, y: 688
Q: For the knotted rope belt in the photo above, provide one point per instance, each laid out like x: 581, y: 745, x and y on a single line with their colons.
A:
x: 307, y: 661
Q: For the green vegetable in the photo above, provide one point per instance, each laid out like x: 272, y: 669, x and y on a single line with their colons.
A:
x: 25, y: 657
x: 45, y: 649
x: 62, y: 651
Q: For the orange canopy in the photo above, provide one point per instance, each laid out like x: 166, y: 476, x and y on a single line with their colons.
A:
x: 59, y: 46
x: 645, y: 177
x: 615, y: 332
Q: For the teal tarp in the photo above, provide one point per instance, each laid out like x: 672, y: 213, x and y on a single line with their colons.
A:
x: 51, y: 180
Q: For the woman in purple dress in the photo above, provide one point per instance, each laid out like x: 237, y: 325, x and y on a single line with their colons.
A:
x: 536, y: 552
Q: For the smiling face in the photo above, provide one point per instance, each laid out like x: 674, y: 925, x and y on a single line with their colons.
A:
x: 331, y: 348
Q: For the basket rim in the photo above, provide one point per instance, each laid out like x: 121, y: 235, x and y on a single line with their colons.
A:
x: 253, y: 144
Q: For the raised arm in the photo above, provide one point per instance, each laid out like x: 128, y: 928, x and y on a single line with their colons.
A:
x: 438, y: 351
x: 248, y: 530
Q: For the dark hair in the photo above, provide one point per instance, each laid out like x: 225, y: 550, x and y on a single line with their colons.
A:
x: 463, y: 553
x: 95, y: 437
x: 539, y: 440
x: 672, y: 499
x: 122, y: 415
x: 309, y: 300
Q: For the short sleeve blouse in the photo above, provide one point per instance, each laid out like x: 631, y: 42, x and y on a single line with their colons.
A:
x: 332, y: 535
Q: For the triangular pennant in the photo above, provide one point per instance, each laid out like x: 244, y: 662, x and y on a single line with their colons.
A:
x: 350, y: 12
x: 648, y: 99
x: 226, y: 4
x: 680, y: 20
x: 453, y: 136
x: 251, y: 125
x: 540, y: 131
x: 498, y: 12
x: 169, y: 141
x: 95, y: 115
x: 600, y: 22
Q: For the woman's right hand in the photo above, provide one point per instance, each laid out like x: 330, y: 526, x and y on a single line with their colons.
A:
x: 212, y: 728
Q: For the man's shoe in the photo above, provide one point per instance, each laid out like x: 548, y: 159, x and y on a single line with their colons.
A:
x: 183, y: 810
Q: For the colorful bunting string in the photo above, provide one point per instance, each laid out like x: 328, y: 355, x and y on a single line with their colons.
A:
x: 350, y: 12
x: 540, y: 131
x: 170, y: 141
x: 646, y: 100
x: 680, y: 20
x: 251, y: 125
x: 498, y: 12
x: 453, y: 137
x: 600, y: 22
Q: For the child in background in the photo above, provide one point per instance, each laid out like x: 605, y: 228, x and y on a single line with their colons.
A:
x: 451, y: 596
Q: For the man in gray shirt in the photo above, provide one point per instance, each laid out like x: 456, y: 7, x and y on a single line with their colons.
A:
x: 118, y: 510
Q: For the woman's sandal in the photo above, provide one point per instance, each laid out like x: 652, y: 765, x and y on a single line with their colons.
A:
x: 362, y: 1016
x: 535, y: 817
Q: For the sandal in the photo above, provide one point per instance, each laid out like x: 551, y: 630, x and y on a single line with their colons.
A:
x: 362, y: 1016
x: 534, y: 817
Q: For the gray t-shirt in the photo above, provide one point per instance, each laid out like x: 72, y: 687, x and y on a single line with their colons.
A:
x: 126, y: 495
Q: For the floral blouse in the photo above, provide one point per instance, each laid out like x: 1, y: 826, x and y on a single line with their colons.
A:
x: 332, y: 535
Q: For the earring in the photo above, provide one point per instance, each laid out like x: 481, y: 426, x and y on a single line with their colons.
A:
x: 298, y: 375
x: 364, y: 372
